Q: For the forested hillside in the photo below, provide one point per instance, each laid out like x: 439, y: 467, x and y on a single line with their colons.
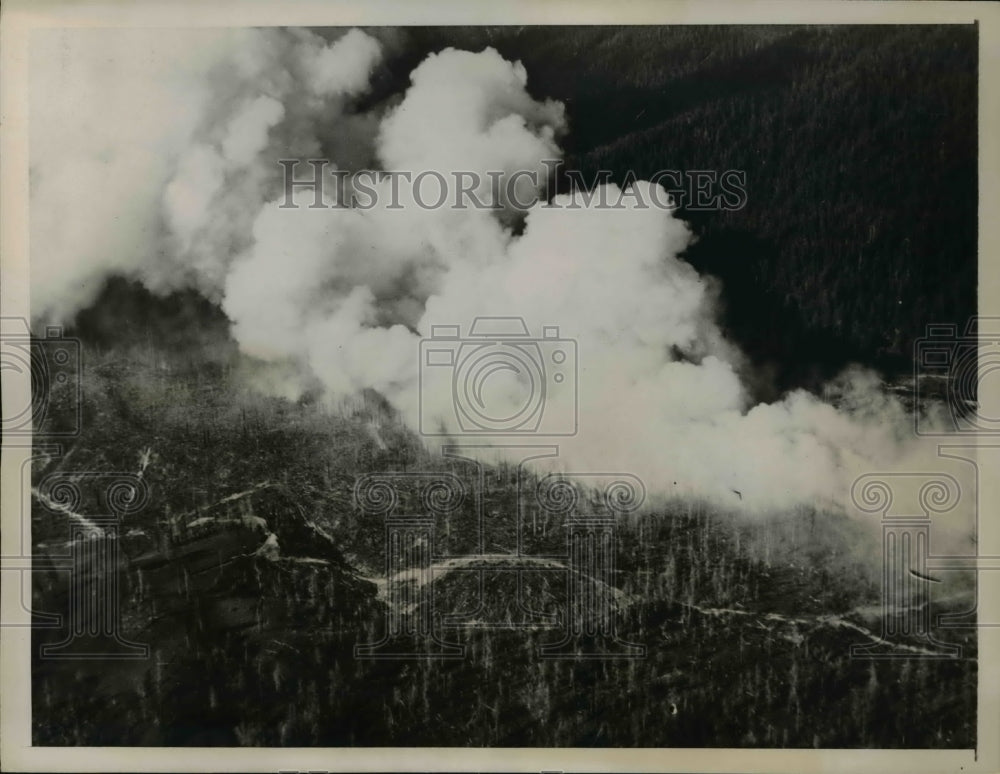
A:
x: 252, y: 575
x: 859, y: 146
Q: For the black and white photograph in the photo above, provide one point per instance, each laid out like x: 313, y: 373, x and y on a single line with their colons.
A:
x: 539, y: 385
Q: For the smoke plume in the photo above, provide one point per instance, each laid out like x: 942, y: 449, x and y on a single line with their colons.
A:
x: 155, y: 155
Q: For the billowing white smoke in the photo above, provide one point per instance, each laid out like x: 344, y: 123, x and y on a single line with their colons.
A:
x: 168, y: 170
x: 152, y: 151
x: 109, y: 115
x: 276, y: 103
